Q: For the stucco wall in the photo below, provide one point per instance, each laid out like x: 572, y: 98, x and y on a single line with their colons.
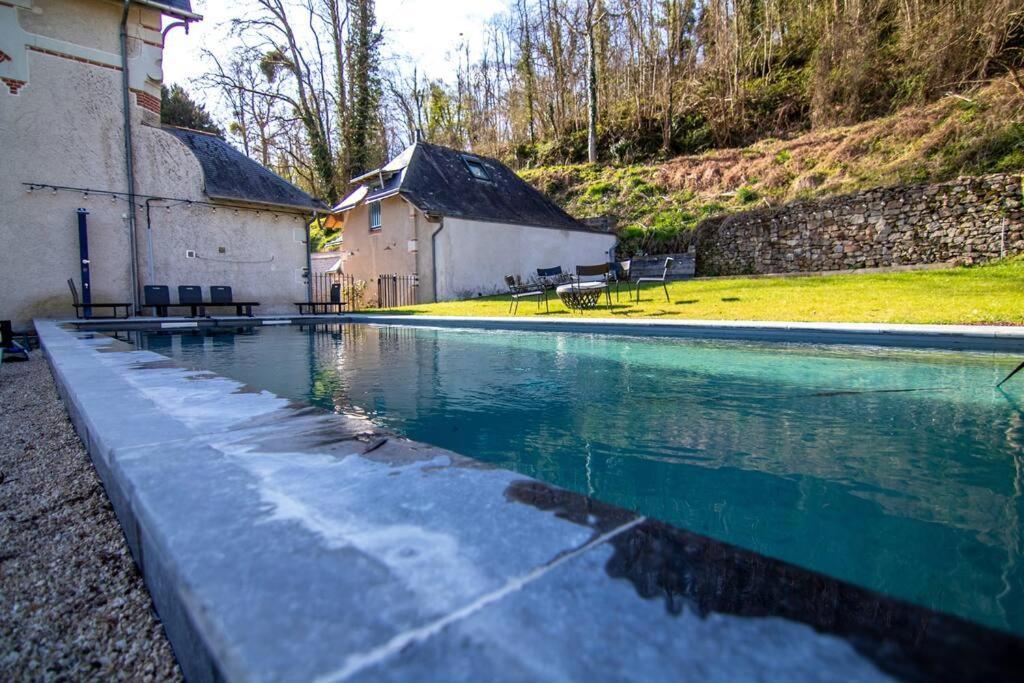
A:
x: 474, y: 257
x: 368, y: 254
x: 64, y: 127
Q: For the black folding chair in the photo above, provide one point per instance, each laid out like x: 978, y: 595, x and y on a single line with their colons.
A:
x: 669, y: 262
x: 157, y: 297
x: 220, y: 295
x: 192, y: 296
x: 520, y: 291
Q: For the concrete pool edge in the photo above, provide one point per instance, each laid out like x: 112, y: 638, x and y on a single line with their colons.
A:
x: 160, y: 459
x: 953, y: 337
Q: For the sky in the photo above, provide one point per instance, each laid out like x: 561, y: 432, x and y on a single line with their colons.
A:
x: 423, y: 32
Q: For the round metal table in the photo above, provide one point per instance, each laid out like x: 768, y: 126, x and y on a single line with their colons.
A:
x: 581, y: 295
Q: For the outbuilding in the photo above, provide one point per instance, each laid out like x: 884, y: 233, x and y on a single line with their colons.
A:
x: 456, y: 224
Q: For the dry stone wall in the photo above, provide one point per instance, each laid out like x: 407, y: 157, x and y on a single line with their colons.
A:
x: 968, y: 220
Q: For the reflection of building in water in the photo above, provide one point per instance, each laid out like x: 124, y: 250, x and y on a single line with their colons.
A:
x: 795, y: 454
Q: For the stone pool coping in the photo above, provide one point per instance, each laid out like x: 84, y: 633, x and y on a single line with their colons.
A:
x: 279, y: 541
x: 958, y: 337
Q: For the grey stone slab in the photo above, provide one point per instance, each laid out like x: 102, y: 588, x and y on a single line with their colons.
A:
x: 300, y: 559
x: 576, y: 623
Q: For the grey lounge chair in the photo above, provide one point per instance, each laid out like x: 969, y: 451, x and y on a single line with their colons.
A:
x: 519, y: 291
x: 85, y: 310
x: 669, y: 262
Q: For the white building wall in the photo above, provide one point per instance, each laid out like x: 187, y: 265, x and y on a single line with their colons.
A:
x: 474, y: 257
x: 63, y: 126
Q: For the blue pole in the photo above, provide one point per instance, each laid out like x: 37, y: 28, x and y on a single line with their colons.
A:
x: 83, y: 250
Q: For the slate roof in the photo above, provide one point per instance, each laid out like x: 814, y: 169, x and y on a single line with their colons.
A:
x: 231, y: 175
x: 436, y: 180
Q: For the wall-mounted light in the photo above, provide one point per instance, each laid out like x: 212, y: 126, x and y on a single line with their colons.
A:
x: 30, y: 188
x: 85, y: 196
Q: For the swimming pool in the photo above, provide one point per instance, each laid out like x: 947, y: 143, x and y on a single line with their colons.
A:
x: 900, y: 471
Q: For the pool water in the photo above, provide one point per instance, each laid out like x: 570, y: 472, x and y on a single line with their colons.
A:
x: 900, y: 471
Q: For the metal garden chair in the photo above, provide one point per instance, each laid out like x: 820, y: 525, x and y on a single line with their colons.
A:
x: 669, y: 262
x: 519, y: 291
x: 550, y: 278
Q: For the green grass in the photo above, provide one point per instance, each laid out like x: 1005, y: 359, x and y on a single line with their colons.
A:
x: 992, y: 294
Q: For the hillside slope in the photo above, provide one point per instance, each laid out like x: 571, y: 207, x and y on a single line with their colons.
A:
x: 658, y: 205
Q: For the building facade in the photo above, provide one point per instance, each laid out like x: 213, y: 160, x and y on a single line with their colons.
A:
x: 62, y: 148
x: 457, y: 224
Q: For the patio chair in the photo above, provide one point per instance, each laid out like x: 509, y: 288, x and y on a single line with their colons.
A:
x: 579, y: 294
x: 550, y: 278
x: 220, y: 295
x: 619, y: 275
x: 324, y: 306
x: 85, y: 310
x: 158, y: 297
x: 519, y: 291
x: 669, y: 262
x: 192, y: 296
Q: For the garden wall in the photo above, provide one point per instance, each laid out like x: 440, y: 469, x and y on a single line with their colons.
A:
x: 967, y: 220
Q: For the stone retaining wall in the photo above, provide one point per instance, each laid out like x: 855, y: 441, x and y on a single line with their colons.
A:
x: 967, y: 220
x: 654, y: 266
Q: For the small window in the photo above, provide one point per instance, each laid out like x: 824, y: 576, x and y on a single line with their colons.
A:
x: 476, y: 168
x: 374, y: 216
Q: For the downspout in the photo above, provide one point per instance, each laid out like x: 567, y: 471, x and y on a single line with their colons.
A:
x: 129, y: 162
x: 433, y: 257
x: 309, y: 261
x: 150, y: 266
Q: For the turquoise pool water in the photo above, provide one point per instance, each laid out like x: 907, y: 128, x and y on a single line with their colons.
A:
x: 900, y: 471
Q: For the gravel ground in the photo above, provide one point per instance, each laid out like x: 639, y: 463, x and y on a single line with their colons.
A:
x: 72, y: 604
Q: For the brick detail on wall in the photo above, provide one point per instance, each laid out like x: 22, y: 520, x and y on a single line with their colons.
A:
x: 147, y: 101
x: 4, y: 57
x: 73, y: 58
x: 968, y: 220
x: 13, y: 85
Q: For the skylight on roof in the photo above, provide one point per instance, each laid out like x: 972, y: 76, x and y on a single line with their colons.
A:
x: 476, y: 168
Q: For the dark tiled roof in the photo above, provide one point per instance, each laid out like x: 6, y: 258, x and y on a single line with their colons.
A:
x: 438, y: 181
x: 231, y: 175
x: 183, y: 5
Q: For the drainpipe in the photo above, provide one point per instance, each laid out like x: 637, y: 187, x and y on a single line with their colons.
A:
x: 150, y: 267
x: 433, y: 257
x: 309, y: 261
x: 129, y: 162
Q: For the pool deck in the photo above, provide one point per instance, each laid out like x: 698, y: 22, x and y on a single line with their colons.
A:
x: 280, y: 541
x: 959, y: 337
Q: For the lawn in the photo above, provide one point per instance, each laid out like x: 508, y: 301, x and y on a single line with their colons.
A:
x: 992, y: 294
